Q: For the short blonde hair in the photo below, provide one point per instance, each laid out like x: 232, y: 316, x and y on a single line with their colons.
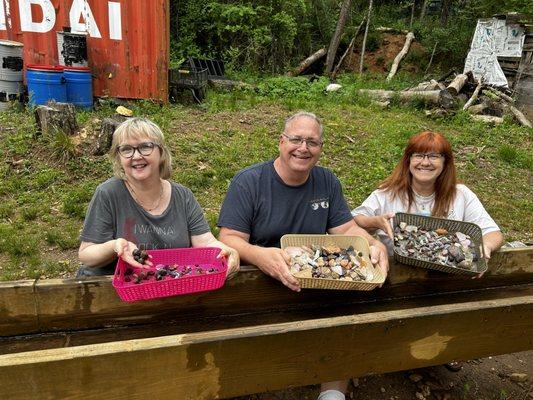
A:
x: 138, y: 128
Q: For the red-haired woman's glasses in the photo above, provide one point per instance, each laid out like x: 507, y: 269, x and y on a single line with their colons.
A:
x: 430, y: 156
x: 144, y: 149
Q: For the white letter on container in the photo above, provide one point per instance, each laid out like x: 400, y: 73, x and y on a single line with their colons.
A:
x: 26, y: 19
x: 2, y: 16
x: 82, y: 8
x: 115, y: 20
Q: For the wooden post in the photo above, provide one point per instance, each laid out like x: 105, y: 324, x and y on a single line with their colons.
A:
x: 401, y: 55
x: 334, y: 44
x: 308, y: 62
x: 103, y: 140
x: 364, y: 38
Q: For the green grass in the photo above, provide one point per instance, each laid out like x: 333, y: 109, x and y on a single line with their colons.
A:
x: 46, y: 185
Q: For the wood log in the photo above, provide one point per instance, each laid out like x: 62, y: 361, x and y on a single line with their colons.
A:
x: 334, y: 44
x: 478, y: 108
x: 474, y: 95
x: 228, y: 84
x: 409, y: 38
x: 56, y: 117
x: 519, y: 116
x: 430, y: 85
x: 457, y: 84
x: 308, y: 62
x: 489, y: 119
x: 441, y: 98
x: 500, y: 95
x: 399, y: 335
x: 363, y: 48
x: 105, y: 135
x: 349, y: 49
x: 386, y: 29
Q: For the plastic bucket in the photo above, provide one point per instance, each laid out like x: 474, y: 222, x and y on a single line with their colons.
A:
x: 79, y: 86
x: 11, y: 65
x: 45, y: 83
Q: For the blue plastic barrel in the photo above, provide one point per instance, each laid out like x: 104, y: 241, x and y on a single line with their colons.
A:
x: 46, y: 82
x: 79, y: 86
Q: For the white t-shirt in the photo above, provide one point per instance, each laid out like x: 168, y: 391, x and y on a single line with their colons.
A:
x: 465, y: 207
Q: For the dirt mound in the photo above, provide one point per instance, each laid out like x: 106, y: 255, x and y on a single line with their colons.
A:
x: 381, y: 50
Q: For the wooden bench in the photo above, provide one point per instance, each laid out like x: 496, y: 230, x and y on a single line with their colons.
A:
x: 76, y: 339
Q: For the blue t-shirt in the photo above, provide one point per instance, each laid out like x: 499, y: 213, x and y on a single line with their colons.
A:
x: 260, y: 204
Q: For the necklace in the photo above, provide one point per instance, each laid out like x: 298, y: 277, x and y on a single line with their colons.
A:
x: 155, y: 205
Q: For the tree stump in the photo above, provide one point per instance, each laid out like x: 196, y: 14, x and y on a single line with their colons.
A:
x: 105, y: 136
x: 56, y: 117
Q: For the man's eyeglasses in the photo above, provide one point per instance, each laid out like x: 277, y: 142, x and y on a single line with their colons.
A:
x: 144, y: 149
x: 430, y: 156
x: 296, y: 140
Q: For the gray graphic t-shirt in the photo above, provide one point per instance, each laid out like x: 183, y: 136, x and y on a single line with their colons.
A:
x: 113, y: 213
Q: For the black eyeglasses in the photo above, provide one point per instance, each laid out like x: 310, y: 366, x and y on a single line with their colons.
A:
x: 144, y: 149
x: 296, y: 140
x: 430, y: 156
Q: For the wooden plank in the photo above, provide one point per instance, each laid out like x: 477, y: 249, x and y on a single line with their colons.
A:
x: 17, y: 307
x: 73, y: 304
x: 218, y: 364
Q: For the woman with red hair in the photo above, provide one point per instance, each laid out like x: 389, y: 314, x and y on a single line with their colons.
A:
x: 424, y: 182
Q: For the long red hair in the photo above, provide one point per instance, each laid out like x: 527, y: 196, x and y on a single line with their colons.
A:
x: 399, y: 183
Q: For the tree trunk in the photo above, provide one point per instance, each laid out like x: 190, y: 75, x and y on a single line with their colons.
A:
x: 56, y: 117
x: 334, y: 44
x: 445, y: 13
x: 401, y: 55
x: 490, y: 119
x: 438, y: 97
x: 412, y: 15
x: 348, y: 50
x: 364, y: 38
x: 423, y: 9
x: 308, y: 62
x: 105, y: 136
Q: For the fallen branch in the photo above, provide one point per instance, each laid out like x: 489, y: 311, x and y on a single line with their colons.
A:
x: 474, y: 95
x: 385, y: 29
x: 438, y: 97
x: 401, y: 55
x: 501, y: 95
x: 491, y: 119
x: 519, y: 116
x: 431, y: 58
x: 308, y: 62
x: 348, y: 50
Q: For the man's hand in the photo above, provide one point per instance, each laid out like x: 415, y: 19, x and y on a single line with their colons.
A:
x: 275, y: 262
x: 379, y: 257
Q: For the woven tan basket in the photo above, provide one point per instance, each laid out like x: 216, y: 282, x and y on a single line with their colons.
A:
x: 451, y: 226
x: 344, y: 241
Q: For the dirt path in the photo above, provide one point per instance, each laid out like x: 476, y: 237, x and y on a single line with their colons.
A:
x: 506, y: 377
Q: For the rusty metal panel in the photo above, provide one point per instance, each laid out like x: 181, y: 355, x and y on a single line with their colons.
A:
x: 127, y: 40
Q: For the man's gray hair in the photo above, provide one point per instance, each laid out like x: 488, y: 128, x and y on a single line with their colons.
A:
x: 307, y: 115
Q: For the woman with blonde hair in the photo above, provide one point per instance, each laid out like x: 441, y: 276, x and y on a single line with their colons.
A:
x: 140, y: 208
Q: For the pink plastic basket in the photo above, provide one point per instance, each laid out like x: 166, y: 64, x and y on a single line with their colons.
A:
x: 202, y: 257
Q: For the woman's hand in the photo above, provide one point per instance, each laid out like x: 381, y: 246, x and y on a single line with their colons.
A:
x: 124, y: 250
x: 233, y: 260
x: 383, y: 222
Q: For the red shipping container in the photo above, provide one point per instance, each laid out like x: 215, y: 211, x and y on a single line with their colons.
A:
x: 127, y: 40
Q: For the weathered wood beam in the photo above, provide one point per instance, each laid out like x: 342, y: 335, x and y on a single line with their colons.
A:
x: 218, y: 364
x: 71, y: 304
